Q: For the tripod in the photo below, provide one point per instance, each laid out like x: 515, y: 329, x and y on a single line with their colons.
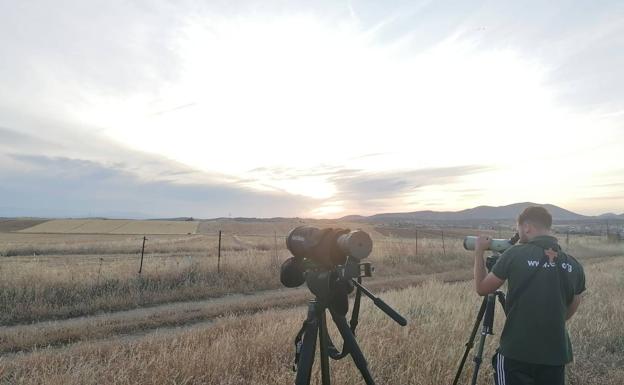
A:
x: 315, y: 326
x: 485, y: 314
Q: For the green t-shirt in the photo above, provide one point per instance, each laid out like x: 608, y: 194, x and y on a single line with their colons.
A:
x: 535, y: 330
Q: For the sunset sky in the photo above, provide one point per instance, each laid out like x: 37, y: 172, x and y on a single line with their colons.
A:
x: 313, y: 109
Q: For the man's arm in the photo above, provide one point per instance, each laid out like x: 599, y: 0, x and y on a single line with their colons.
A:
x: 579, y: 288
x: 485, y: 283
x: 573, y: 307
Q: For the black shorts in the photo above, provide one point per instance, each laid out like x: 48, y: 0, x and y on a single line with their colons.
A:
x: 513, y: 372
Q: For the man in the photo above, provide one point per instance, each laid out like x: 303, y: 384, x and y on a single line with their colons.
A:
x: 544, y: 285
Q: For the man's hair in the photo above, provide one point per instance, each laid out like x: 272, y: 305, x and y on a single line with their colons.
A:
x: 536, y: 215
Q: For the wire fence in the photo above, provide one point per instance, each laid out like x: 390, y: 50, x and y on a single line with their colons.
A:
x: 226, y: 249
x: 220, y: 246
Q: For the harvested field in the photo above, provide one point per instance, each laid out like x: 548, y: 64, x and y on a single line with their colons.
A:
x: 8, y: 225
x: 112, y: 226
x: 270, y: 227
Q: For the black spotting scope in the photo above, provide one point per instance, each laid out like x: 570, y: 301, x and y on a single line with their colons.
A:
x: 328, y: 247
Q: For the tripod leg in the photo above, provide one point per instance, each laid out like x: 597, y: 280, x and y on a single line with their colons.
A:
x: 308, y: 347
x: 323, y: 339
x: 354, y: 349
x: 478, y: 359
x: 470, y: 342
x: 488, y: 325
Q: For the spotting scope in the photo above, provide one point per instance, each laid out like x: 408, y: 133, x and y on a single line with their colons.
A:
x: 328, y: 247
x: 498, y: 245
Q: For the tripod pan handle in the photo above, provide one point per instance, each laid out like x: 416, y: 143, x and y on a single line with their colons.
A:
x: 389, y: 311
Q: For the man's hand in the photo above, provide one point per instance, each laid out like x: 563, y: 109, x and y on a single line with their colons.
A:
x: 483, y: 243
x: 573, y: 307
x: 485, y: 283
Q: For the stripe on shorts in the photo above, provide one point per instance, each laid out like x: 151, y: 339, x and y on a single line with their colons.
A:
x: 501, y: 369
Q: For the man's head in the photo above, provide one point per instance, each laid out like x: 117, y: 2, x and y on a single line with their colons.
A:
x: 532, y: 222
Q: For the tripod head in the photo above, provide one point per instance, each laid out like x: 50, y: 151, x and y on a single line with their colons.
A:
x: 337, y: 281
x: 333, y: 287
x: 491, y: 261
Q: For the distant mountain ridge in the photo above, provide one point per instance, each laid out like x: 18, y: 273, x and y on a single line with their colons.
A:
x: 507, y: 212
x: 487, y: 213
x: 611, y: 216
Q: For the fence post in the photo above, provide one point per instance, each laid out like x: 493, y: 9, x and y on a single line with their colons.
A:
x: 443, y: 248
x: 219, y: 254
x: 142, y: 251
x: 276, y: 257
x: 416, y: 252
x: 568, y: 237
x: 99, y: 272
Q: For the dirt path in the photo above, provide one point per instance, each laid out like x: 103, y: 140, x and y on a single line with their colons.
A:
x: 24, y: 338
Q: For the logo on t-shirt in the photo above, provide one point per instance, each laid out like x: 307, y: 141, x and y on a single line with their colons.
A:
x: 551, y: 254
x: 565, y: 266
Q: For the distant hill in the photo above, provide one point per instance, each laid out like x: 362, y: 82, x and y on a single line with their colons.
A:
x: 508, y: 212
x: 353, y: 218
x: 611, y: 216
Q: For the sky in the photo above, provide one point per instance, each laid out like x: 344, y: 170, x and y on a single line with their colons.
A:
x: 309, y: 109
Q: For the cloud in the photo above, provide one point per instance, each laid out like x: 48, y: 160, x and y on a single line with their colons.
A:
x: 147, y: 73
x: 10, y: 139
x: 119, y: 47
x: 581, y: 44
x: 72, y: 144
x: 71, y: 187
x: 106, y: 179
x: 354, y: 183
x: 605, y: 197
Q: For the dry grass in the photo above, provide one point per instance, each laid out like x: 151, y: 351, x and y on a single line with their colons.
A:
x: 22, y: 338
x: 258, y: 348
x: 86, y: 274
x: 68, y: 291
x: 598, y: 330
x: 582, y: 246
